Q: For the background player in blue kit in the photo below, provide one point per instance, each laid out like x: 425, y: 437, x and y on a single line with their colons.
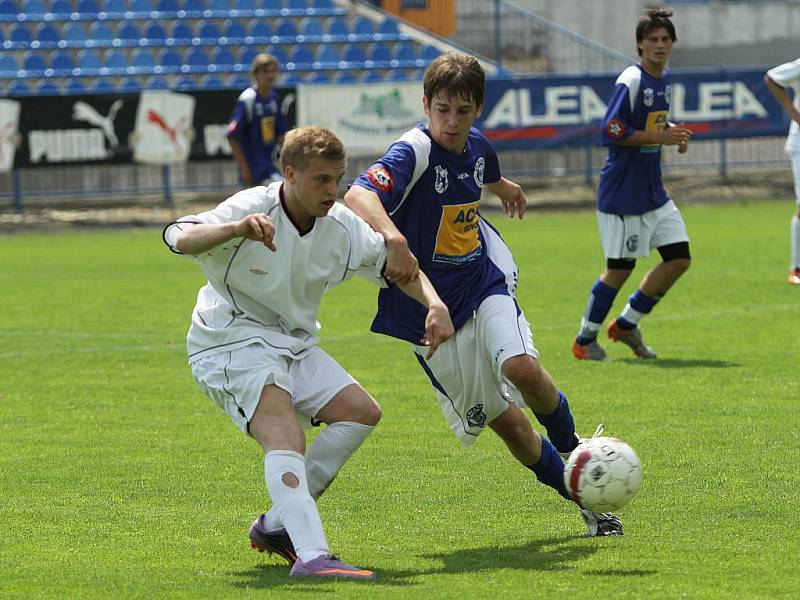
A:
x: 633, y: 210
x: 257, y: 125
x: 423, y: 196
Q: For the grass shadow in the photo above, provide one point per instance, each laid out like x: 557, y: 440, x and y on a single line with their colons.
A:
x: 679, y: 363
x: 622, y: 572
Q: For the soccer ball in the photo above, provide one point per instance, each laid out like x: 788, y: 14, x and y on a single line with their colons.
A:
x: 602, y: 474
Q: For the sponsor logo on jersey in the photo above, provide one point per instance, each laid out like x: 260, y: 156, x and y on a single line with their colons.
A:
x: 267, y: 129
x: 480, y: 167
x: 668, y: 94
x: 457, y: 239
x: 632, y: 243
x: 615, y: 128
x: 381, y: 179
x: 441, y: 179
x: 476, y: 417
x: 657, y: 120
x: 647, y: 96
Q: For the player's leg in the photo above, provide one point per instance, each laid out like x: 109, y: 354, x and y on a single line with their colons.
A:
x: 794, y: 271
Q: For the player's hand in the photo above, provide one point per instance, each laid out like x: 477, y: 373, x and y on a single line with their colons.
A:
x: 513, y: 200
x: 258, y: 227
x: 402, y: 266
x: 676, y: 136
x: 438, y: 328
x: 683, y: 147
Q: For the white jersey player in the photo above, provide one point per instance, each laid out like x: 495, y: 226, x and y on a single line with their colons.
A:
x: 780, y: 80
x: 269, y: 254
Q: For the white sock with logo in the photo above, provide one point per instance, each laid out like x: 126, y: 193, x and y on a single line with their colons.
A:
x: 795, y: 242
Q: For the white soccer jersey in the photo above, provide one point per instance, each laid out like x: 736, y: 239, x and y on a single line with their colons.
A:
x: 255, y: 295
x: 788, y: 75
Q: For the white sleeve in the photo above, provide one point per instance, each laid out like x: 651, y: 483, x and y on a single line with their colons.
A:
x: 786, y: 74
x: 367, y: 253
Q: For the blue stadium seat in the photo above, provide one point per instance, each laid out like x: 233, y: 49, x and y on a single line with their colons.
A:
x: 89, y: 60
x: 388, y: 27
x: 75, y: 87
x: 246, y: 5
x: 238, y: 82
x: 20, y: 34
x: 296, y: 5
x: 181, y: 31
x: 129, y: 32
x: 311, y: 27
x: 302, y: 55
x: 373, y: 75
x: 261, y: 29
x: 9, y: 9
x: 167, y: 6
x: 141, y: 6
x: 62, y: 61
x: 185, y: 84
x: 170, y: 59
x: 272, y: 5
x: 223, y: 5
x: 234, y: 30
x: 142, y: 58
x: 363, y: 26
x: 346, y: 76
x: 47, y: 88
x: 100, y: 31
x: 380, y: 53
x: 8, y: 63
x: 211, y: 82
x: 19, y: 88
x: 338, y: 26
x: 247, y: 55
x: 156, y: 83
x: 223, y: 58
x: 399, y: 74
x: 47, y: 35
x: 279, y: 53
x: 196, y: 7
x: 117, y: 59
x: 429, y: 52
x: 208, y: 31
x: 354, y: 54
x: 115, y: 6
x: 34, y: 7
x: 329, y: 55
x: 323, y: 4
x: 103, y: 86
x: 197, y: 59
x: 286, y: 28
x: 320, y: 77
x: 74, y: 34
x: 34, y: 63
x: 292, y: 78
x: 88, y: 7
x: 155, y: 32
x: 405, y: 51
x: 129, y: 84
x: 61, y: 7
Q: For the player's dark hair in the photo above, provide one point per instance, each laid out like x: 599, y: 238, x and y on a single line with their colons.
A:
x: 455, y: 76
x: 654, y: 18
x: 305, y: 143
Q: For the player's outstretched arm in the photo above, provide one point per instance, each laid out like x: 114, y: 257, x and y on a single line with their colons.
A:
x: 401, y: 265
x: 438, y: 326
x: 203, y: 237
x: 671, y: 136
x: 784, y: 99
x: 511, y: 196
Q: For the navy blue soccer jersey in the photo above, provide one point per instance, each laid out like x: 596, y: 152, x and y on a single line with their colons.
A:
x: 432, y: 196
x: 630, y: 181
x: 257, y: 123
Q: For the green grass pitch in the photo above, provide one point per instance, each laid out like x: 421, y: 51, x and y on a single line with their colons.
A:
x: 118, y: 478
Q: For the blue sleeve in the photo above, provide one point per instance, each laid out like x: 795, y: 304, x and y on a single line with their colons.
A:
x: 616, y: 124
x: 491, y: 173
x: 238, y: 121
x: 390, y: 175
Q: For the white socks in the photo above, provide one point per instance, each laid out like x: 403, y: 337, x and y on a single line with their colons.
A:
x: 795, y: 242
x: 285, y: 475
x: 331, y: 449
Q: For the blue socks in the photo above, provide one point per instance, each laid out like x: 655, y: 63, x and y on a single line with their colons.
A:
x: 600, y: 301
x: 637, y: 307
x: 560, y: 425
x: 550, y: 469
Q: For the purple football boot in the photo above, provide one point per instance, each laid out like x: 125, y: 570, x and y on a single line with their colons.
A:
x: 277, y: 541
x: 328, y: 565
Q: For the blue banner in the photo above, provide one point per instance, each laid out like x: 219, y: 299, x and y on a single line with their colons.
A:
x: 547, y: 112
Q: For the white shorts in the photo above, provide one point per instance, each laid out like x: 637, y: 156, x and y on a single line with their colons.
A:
x: 629, y: 236
x: 795, y: 156
x: 234, y: 380
x: 466, y: 371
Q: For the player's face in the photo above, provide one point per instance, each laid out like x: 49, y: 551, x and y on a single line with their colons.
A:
x: 315, y: 187
x: 656, y: 48
x: 449, y: 120
x: 265, y: 76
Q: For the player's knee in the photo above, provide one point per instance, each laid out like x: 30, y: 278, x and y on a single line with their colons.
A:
x: 369, y: 413
x: 525, y: 372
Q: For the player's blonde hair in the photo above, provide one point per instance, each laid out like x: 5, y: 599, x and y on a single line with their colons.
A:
x: 264, y: 60
x: 654, y: 18
x: 455, y: 76
x: 305, y: 143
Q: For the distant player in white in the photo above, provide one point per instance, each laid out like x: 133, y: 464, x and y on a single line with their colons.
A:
x: 779, y: 81
x: 270, y: 253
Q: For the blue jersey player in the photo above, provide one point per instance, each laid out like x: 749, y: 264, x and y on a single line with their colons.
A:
x: 423, y: 196
x: 257, y: 125
x: 634, y: 212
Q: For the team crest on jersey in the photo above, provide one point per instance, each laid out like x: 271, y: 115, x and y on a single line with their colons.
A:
x: 441, y: 179
x: 668, y: 94
x: 632, y: 243
x: 648, y: 96
x: 480, y: 166
x: 615, y: 128
x: 476, y: 417
x: 381, y: 179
